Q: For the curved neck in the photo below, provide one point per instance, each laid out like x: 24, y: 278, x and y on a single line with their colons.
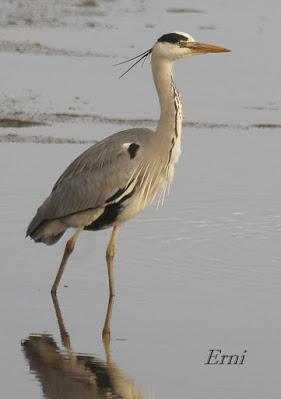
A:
x: 170, y: 104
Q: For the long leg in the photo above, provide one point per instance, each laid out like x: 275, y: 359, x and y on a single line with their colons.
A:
x: 67, y: 252
x: 110, y: 252
x: 107, y: 323
x: 65, y: 337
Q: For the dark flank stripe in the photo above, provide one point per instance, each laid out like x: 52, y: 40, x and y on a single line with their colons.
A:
x: 119, y: 193
x: 110, y: 214
x: 106, y: 219
x: 116, y: 195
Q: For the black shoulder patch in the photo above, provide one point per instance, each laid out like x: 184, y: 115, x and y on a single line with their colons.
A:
x: 172, y: 38
x: 133, y: 149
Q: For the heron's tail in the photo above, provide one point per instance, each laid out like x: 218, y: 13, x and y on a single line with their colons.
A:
x: 46, y: 231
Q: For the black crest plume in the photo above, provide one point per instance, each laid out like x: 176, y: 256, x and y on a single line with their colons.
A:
x: 139, y: 58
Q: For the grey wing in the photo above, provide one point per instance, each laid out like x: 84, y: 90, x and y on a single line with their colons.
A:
x: 97, y: 177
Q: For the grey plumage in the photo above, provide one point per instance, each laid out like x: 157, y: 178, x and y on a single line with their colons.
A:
x: 87, y: 184
x: 115, y: 179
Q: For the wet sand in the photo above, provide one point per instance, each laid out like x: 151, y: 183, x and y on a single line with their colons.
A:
x: 201, y: 272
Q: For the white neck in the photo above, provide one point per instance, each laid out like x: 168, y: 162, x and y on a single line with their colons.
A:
x: 168, y: 132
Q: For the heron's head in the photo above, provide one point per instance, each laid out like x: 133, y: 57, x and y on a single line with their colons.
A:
x: 176, y: 45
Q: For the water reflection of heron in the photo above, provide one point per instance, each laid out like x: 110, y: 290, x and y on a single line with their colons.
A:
x: 63, y: 374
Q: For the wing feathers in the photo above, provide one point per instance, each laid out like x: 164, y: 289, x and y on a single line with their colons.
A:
x: 99, y: 176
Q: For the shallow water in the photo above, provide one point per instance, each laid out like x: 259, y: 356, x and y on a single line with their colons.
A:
x: 203, y: 271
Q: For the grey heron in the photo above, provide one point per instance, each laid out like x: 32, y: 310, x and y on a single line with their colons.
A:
x: 116, y: 178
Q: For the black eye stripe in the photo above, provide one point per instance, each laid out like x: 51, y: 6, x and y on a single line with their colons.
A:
x: 172, y: 38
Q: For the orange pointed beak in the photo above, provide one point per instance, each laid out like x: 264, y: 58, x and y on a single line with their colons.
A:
x: 204, y: 48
